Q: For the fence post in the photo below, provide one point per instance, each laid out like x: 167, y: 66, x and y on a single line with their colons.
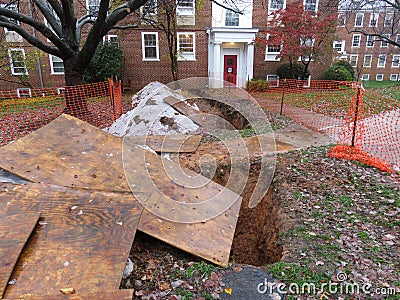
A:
x: 358, y: 100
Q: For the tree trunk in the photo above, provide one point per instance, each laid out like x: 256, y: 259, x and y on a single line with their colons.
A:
x: 75, y: 100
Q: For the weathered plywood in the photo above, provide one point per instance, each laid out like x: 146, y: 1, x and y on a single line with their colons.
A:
x: 184, y: 208
x: 14, y: 233
x: 177, y: 143
x: 103, y: 295
x: 83, y: 240
x: 68, y: 152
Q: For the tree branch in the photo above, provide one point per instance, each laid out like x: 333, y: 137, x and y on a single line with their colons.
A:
x: 227, y: 7
x: 48, y: 14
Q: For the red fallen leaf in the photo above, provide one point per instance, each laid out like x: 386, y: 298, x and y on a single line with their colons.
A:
x: 93, y: 175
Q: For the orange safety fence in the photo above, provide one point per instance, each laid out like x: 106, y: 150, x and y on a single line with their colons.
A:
x: 365, y: 124
x: 26, y: 110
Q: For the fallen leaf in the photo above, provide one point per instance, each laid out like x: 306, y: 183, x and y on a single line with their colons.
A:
x: 228, y: 290
x: 67, y: 291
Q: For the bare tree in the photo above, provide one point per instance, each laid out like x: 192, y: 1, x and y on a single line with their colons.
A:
x: 385, y: 18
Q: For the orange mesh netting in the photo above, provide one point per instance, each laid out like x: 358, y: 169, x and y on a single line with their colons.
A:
x: 26, y: 110
x: 365, y: 124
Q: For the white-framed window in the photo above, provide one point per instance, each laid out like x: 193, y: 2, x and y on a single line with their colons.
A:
x: 353, y: 60
x: 365, y: 77
x: 396, y: 61
x: 24, y: 93
x: 356, y: 40
x: 373, y: 21
x: 112, y: 39
x: 341, y: 20
x: 276, y: 5
x: 56, y: 65
x: 17, y: 61
x: 150, y: 49
x: 359, y: 20
x: 149, y: 8
x: 185, y: 7
x: 379, y: 77
x: 13, y: 7
x: 398, y: 38
x: 381, y: 61
x: 272, y: 51
x: 273, y: 80
x: 367, y: 60
x: 311, y: 5
x: 339, y: 45
x: 394, y: 77
x: 186, y: 46
x: 231, y: 18
x: 388, y: 22
x: 370, y: 41
x: 384, y: 43
x: 92, y: 7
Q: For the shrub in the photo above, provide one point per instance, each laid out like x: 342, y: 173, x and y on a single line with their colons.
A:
x: 106, y: 63
x: 293, y: 72
x: 259, y: 85
x: 337, y: 72
x: 345, y: 64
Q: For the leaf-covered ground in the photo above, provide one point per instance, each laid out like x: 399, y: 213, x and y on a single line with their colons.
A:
x: 340, y: 218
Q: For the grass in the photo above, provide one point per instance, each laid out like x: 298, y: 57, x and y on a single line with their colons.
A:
x: 373, y: 84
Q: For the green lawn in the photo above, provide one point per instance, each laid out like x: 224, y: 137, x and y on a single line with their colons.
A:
x: 373, y: 84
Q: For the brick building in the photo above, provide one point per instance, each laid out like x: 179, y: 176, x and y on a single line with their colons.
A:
x: 212, y: 41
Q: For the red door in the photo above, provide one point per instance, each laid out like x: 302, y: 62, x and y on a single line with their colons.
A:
x: 230, y: 68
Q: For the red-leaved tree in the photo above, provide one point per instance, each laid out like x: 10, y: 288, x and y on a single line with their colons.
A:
x: 303, y: 35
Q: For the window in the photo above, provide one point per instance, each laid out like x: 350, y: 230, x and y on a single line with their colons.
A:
x: 359, y: 20
x: 381, y: 60
x: 61, y: 91
x: 311, y: 5
x: 388, y: 20
x: 150, y: 46
x: 17, y: 61
x: 353, y: 60
x: 231, y: 18
x: 373, y: 21
x: 185, y: 7
x: 356, y: 40
x: 341, y: 20
x: 398, y: 38
x: 272, y: 51
x: 367, y: 61
x: 384, y: 43
x: 396, y: 61
x: 13, y: 7
x: 24, y: 93
x: 112, y: 39
x: 186, y: 46
x: 379, y: 77
x: 149, y: 8
x: 370, y: 41
x: 56, y: 65
x: 339, y: 46
x: 276, y: 4
x: 365, y: 77
x: 273, y: 80
x: 93, y: 7
x: 394, y: 77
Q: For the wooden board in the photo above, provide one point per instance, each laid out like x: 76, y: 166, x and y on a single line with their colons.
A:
x: 184, y: 208
x: 177, y: 143
x: 83, y: 240
x: 68, y: 152
x: 104, y: 295
x: 14, y: 233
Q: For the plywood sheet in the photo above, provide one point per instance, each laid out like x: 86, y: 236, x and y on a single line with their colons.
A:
x: 68, y: 152
x: 83, y: 240
x: 14, y: 233
x: 105, y: 295
x: 177, y: 143
x: 184, y: 208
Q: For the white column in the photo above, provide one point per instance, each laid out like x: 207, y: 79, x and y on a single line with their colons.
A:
x: 250, y: 61
x: 216, y: 64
